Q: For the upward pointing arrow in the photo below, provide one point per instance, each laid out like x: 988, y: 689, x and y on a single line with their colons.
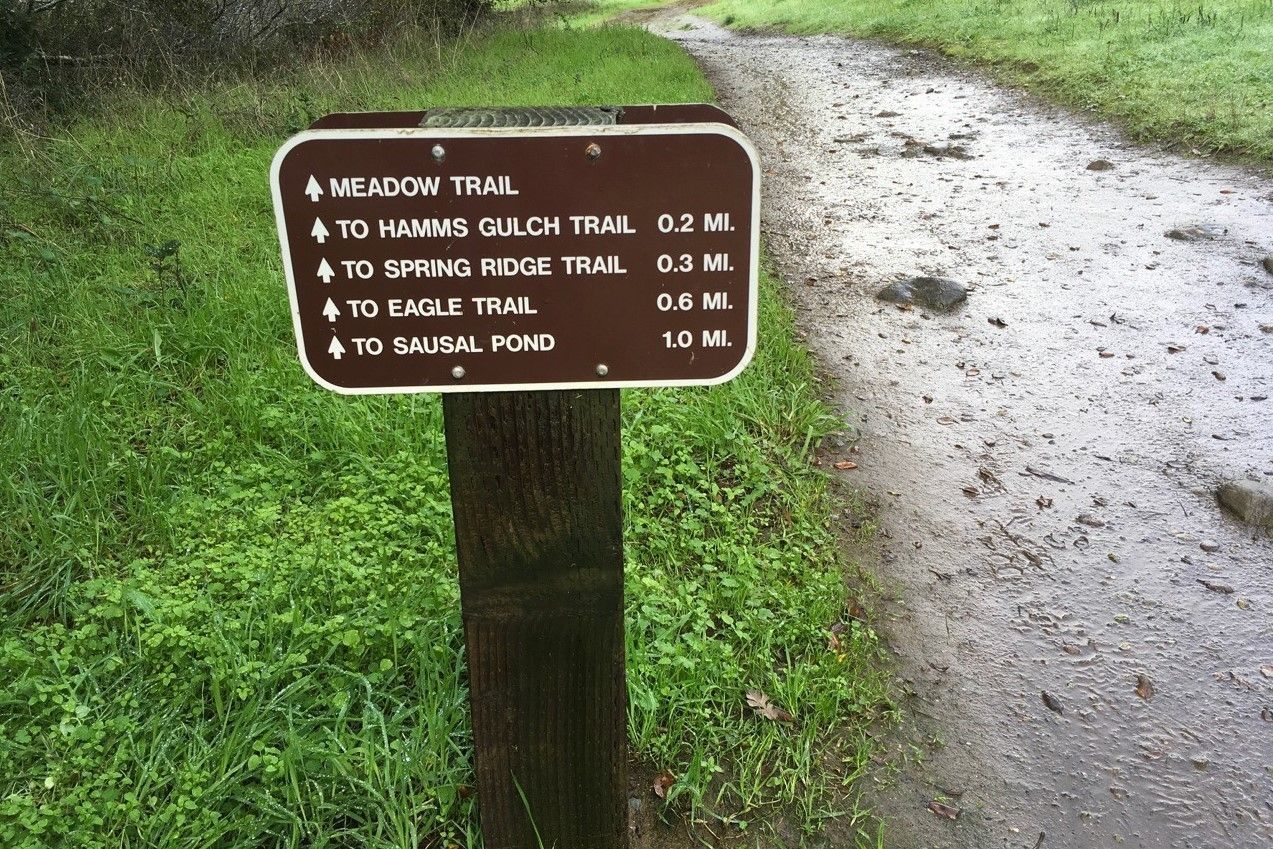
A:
x: 336, y: 349
x: 325, y: 271
x: 330, y: 310
x: 319, y: 232
x: 312, y: 189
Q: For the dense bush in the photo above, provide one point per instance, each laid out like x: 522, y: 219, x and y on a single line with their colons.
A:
x: 50, y: 48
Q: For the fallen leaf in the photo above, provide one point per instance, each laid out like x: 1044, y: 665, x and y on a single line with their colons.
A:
x: 1202, y: 328
x: 945, y: 420
x: 1105, y: 355
x: 971, y: 491
x: 943, y: 810
x: 1090, y: 520
x: 997, y: 322
x: 662, y: 782
x: 1175, y: 349
x: 1044, y: 503
x: 845, y: 465
x: 1052, y: 702
x: 765, y: 708
x: 1144, y: 687
x: 1267, y: 670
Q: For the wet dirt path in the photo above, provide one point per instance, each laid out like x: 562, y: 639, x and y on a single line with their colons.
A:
x: 1045, y: 457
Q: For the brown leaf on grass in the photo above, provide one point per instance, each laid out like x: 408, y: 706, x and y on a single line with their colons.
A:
x: 760, y: 703
x: 950, y: 812
x: 1144, y: 687
x: 834, y: 644
x: 846, y: 465
x: 662, y: 782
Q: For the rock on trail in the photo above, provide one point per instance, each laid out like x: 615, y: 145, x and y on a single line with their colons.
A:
x: 935, y: 293
x: 1077, y: 380
x: 1251, y: 501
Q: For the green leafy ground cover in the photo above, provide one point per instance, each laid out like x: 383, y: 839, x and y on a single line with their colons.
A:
x: 1196, y: 72
x: 228, y: 609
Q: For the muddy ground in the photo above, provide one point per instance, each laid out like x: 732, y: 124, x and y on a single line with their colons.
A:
x: 1085, y: 634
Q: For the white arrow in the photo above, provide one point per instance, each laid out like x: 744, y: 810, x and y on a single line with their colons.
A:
x: 336, y: 349
x: 325, y: 271
x: 312, y: 189
x: 319, y: 232
x: 330, y: 310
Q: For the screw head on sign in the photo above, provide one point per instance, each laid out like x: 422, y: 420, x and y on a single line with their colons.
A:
x: 602, y: 369
x: 439, y: 153
x: 592, y: 151
x: 458, y: 372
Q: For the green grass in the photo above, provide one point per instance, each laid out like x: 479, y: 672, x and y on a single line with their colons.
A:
x: 228, y: 608
x: 1196, y: 72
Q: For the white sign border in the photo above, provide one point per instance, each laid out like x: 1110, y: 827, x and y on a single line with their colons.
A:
x: 583, y: 132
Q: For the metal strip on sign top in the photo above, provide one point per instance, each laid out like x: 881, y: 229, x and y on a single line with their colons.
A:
x: 471, y: 259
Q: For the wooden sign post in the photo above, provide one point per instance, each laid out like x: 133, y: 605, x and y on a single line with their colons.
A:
x: 536, y: 489
x: 528, y: 263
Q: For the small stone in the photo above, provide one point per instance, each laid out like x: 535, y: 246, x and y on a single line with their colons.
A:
x: 1196, y: 233
x: 1200, y: 763
x: 1100, y: 165
x: 1252, y: 502
x: 1209, y: 546
x: 1267, y: 262
x: 935, y: 293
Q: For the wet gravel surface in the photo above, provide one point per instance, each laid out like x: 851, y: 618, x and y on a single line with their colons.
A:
x: 1083, y: 629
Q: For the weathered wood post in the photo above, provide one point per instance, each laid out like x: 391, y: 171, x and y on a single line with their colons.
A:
x: 536, y: 488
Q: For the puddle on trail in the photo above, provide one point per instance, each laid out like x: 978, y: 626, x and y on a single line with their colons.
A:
x: 1045, y: 457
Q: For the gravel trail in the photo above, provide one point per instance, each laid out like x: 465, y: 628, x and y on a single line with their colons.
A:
x: 1085, y: 631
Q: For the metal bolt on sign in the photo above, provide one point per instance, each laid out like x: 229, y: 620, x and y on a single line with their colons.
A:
x: 473, y: 252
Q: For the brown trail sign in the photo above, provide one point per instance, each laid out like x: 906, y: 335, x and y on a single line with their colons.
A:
x: 487, y: 253
x: 465, y: 260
